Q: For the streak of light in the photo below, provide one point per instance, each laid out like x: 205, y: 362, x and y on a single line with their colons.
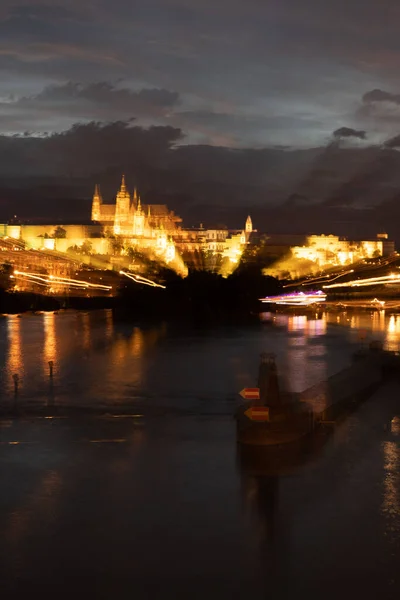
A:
x: 140, y: 279
x: 385, y: 279
x: 314, y: 280
x: 15, y: 443
x: 296, y: 299
x: 116, y: 441
x: 122, y: 416
x: 57, y: 280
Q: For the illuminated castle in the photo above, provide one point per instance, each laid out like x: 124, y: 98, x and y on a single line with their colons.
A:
x: 154, y: 227
x: 126, y: 228
x: 128, y: 218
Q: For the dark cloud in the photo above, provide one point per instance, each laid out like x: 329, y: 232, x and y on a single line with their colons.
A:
x: 70, y: 163
x: 348, y: 132
x: 380, y: 109
x: 301, y: 64
x: 71, y: 101
x: 394, y: 142
x: 265, y: 83
x: 380, y: 96
x: 55, y: 175
x: 103, y: 93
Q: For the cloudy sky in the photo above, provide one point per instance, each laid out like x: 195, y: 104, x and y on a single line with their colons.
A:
x: 236, y: 73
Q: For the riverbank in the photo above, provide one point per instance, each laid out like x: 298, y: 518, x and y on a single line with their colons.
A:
x: 201, y: 297
x: 23, y: 302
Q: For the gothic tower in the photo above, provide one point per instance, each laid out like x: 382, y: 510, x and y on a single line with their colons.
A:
x: 96, y: 204
x: 122, y: 208
x: 249, y: 225
x: 138, y: 219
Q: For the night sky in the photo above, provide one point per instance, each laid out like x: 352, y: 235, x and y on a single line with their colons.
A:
x: 223, y: 103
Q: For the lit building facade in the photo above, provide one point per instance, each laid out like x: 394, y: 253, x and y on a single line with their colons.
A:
x: 151, y: 229
x: 330, y: 250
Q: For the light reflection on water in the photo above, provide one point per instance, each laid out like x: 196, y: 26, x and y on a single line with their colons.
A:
x: 50, y: 340
x: 391, y: 485
x: 74, y: 486
x: 14, y: 355
x: 97, y: 361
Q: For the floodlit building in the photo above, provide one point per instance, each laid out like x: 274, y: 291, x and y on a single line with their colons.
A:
x: 330, y: 250
x: 126, y: 224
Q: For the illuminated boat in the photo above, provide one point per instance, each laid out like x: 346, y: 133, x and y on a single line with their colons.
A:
x: 296, y: 299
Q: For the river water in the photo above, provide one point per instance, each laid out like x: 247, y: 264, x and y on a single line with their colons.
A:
x: 162, y: 368
x: 152, y: 498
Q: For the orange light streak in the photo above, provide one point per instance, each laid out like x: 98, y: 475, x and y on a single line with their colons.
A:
x: 386, y: 279
x: 143, y: 280
x: 55, y: 279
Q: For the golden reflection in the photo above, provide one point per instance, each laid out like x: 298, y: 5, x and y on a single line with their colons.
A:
x: 86, y: 331
x: 127, y: 354
x: 375, y: 321
x: 391, y: 482
x: 14, y: 355
x: 50, y: 345
x: 392, y: 324
x: 126, y: 348
x: 297, y: 364
x: 281, y: 320
x: 137, y: 342
x: 297, y: 323
x: 306, y: 360
x: 120, y: 349
x: 393, y: 333
x: 109, y: 325
x: 317, y: 326
x: 395, y: 426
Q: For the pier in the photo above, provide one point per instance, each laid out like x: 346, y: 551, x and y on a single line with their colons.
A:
x: 277, y: 418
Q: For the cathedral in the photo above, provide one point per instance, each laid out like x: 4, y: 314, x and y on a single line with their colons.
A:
x: 129, y: 218
x: 151, y: 229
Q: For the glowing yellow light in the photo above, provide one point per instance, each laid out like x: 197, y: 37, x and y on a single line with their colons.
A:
x: 385, y: 279
x: 298, y: 299
x: 77, y: 283
x: 140, y: 279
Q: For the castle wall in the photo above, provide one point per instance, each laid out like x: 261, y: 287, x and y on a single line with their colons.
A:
x: 72, y: 231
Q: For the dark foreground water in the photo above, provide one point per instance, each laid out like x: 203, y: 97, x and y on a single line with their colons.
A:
x: 157, y: 502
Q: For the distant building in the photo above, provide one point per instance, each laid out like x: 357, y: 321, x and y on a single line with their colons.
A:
x: 330, y: 250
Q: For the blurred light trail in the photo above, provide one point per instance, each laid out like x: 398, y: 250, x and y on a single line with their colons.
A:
x: 314, y: 280
x: 140, y: 279
x: 384, y: 279
x: 56, y: 280
x: 296, y: 299
x: 98, y: 286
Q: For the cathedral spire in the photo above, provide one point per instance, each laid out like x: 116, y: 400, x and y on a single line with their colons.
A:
x: 139, y: 205
x: 122, y: 208
x: 96, y: 203
x: 249, y: 225
x: 123, y: 185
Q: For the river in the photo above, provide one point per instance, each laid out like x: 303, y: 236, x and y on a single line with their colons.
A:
x: 152, y: 500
